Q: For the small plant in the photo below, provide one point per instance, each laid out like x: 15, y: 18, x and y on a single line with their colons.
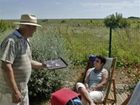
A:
x: 42, y: 84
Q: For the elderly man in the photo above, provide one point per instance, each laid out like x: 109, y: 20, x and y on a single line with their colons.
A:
x: 16, y: 63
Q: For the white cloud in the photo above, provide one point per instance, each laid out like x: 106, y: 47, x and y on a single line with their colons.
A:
x: 103, y: 8
x: 57, y: 2
x: 111, y: 4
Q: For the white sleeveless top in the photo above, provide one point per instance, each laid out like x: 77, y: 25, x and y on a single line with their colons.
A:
x: 96, y: 78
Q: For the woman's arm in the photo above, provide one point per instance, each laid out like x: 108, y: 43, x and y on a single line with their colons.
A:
x: 87, y: 75
x: 87, y: 79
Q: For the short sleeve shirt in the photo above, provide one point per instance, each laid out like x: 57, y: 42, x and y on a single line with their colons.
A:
x: 15, y: 49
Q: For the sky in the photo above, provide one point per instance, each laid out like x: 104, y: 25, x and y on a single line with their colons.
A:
x: 61, y: 9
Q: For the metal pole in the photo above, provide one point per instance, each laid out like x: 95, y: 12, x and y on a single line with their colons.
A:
x: 110, y: 41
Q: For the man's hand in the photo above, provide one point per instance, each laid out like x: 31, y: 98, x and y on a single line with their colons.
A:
x: 37, y: 65
x: 16, y: 97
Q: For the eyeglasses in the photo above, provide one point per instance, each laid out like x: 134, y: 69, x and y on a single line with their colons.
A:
x: 97, y: 61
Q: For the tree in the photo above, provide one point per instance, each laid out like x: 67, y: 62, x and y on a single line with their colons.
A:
x: 114, y: 21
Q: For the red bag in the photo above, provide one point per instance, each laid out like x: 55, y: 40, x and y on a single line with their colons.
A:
x: 62, y: 96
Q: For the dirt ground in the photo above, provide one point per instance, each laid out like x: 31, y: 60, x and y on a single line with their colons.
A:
x: 128, y: 75
x: 120, y: 77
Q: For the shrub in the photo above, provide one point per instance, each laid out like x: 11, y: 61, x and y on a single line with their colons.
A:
x: 4, y: 25
x: 42, y: 84
x: 46, y: 45
x: 63, y: 21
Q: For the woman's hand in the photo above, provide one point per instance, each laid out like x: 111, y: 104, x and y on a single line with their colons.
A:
x: 93, y: 89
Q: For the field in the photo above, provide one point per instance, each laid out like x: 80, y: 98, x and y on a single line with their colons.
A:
x: 75, y: 39
x: 84, y: 37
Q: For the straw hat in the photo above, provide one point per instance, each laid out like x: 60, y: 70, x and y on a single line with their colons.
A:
x: 27, y: 19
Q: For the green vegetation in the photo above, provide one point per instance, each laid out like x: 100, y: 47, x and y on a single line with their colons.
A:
x: 74, y: 40
x: 114, y: 21
x: 4, y: 25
